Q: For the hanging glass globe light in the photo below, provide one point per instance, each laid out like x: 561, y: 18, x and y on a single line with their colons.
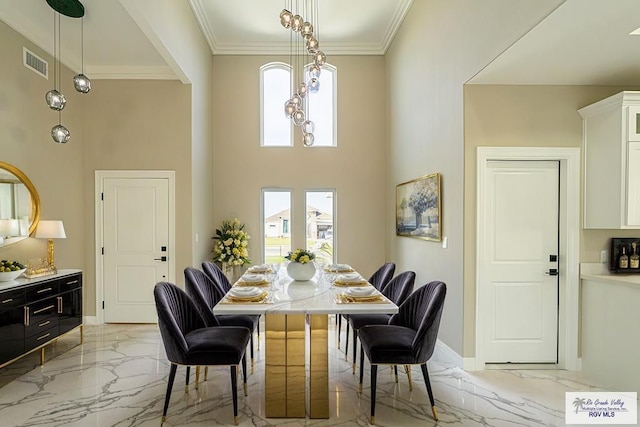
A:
x: 308, y: 127
x: 296, y: 23
x: 312, y: 44
x: 298, y: 117
x: 60, y: 134
x: 319, y: 58
x: 82, y: 83
x: 289, y: 109
x: 314, y: 72
x: 307, y: 139
x: 296, y: 100
x: 55, y: 100
x: 314, y: 85
x: 307, y: 30
x: 285, y: 18
x: 302, y: 90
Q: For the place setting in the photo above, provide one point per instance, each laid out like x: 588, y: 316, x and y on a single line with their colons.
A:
x: 252, y: 280
x: 366, y: 294
x: 245, y: 295
x: 350, y: 279
x: 339, y: 268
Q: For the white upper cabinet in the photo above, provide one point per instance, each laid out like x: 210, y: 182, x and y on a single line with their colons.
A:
x: 611, y: 148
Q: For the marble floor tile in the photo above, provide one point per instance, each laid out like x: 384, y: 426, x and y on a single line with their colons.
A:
x: 118, y: 378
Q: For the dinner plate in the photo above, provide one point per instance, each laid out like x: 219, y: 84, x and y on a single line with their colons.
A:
x: 252, y: 278
x: 349, y: 277
x: 248, y: 291
x: 359, y: 292
x: 340, y: 267
x: 258, y: 269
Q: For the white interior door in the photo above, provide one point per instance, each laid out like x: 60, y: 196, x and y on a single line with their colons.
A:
x: 518, y: 297
x: 136, y: 215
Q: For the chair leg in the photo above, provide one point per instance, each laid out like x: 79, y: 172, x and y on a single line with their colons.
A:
x: 425, y: 374
x: 258, y: 330
x: 346, y: 341
x: 244, y: 373
x: 172, y: 376
x: 407, y: 369
x: 186, y: 385
x: 374, y: 375
x: 251, y: 344
x: 355, y: 350
x: 206, y: 372
x: 234, y: 392
x: 197, y: 376
x: 361, y: 367
x: 339, y: 321
x: 395, y: 372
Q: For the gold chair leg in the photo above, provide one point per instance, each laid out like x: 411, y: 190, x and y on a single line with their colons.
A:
x: 252, y: 365
x: 246, y: 393
x: 373, y: 420
x: 197, y: 376
x: 42, y: 356
x: 235, y: 420
x: 206, y: 372
x: 407, y: 369
x: 81, y: 334
x: 435, y: 413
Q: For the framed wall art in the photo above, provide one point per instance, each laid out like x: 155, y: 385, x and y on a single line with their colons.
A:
x: 418, y: 208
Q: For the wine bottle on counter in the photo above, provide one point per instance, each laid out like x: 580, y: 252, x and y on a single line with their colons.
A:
x: 634, y: 259
x: 623, y: 261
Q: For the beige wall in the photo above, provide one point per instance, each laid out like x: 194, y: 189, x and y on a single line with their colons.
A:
x: 118, y: 125
x: 438, y: 48
x: 356, y: 168
x: 522, y: 116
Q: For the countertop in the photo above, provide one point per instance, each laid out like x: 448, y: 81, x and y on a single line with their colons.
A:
x: 23, y: 281
x: 598, y: 272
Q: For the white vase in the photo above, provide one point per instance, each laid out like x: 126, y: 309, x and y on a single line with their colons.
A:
x: 301, y: 272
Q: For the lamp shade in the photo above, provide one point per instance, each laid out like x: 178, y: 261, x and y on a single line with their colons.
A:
x: 9, y: 227
x: 51, y: 229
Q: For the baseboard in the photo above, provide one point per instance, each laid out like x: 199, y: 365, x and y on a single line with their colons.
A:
x: 445, y: 354
x: 90, y: 320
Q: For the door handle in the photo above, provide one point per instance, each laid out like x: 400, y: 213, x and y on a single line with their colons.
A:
x: 552, y: 272
x: 162, y: 258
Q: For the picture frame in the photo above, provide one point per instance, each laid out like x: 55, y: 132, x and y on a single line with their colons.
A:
x: 419, y: 209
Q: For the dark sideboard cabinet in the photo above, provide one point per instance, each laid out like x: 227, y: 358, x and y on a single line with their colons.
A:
x: 36, y: 312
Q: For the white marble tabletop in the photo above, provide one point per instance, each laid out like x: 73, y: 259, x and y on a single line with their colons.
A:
x: 316, y: 296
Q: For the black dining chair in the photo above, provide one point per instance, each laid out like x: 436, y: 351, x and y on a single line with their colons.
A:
x: 189, y: 341
x: 379, y: 280
x: 206, y: 294
x: 408, y: 339
x: 397, y: 290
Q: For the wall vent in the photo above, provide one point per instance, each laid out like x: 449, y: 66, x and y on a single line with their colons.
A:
x: 35, y: 63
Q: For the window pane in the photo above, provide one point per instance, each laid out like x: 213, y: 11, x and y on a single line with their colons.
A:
x: 276, y: 128
x: 321, y: 108
x: 319, y: 224
x: 276, y: 209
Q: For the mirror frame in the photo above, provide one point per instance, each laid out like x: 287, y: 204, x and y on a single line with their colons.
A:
x: 35, y: 199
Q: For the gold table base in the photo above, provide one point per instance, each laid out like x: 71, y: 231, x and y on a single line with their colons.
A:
x: 285, y: 370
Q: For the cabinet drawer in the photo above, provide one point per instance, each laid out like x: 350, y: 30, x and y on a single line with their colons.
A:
x: 70, y: 283
x: 40, y: 338
x: 11, y: 299
x: 42, y: 290
x: 41, y: 315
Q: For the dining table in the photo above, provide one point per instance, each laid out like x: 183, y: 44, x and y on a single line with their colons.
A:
x: 296, y: 374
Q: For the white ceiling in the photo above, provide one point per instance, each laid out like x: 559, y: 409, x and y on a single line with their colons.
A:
x: 583, y: 42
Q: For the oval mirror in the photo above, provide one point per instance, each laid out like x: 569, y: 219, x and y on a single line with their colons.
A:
x: 19, y: 205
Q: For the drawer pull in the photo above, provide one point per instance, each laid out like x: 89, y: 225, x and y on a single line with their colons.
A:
x: 7, y: 300
x: 59, y: 305
x: 72, y: 282
x: 26, y: 316
x: 44, y: 336
x: 44, y: 323
x: 44, y: 309
x: 44, y: 290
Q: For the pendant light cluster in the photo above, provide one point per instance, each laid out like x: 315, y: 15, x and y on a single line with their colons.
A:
x: 55, y: 98
x: 308, y: 42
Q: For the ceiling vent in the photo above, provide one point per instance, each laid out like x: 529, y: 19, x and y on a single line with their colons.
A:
x: 35, y: 63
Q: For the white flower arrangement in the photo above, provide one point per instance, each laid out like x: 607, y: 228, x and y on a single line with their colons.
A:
x: 232, y: 242
x: 302, y: 256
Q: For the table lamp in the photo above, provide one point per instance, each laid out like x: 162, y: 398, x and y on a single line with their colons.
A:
x: 51, y: 229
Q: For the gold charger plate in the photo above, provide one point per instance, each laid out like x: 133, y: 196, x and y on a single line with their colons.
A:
x: 260, y: 271
x: 341, y: 298
x: 261, y: 298
x: 347, y: 283
x: 337, y: 270
x: 260, y: 283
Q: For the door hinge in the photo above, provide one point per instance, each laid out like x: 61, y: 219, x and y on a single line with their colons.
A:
x: 103, y: 305
x: 101, y: 196
x: 103, y: 250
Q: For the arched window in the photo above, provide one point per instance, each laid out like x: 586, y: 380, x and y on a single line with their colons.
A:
x: 322, y: 107
x: 275, y: 89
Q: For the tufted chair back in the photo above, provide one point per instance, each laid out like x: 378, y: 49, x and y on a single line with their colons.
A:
x: 217, y: 276
x: 177, y: 316
x: 204, y: 293
x: 400, y: 287
x: 381, y: 277
x: 422, y: 312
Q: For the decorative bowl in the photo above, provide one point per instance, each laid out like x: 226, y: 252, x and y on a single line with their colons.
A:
x: 11, y: 275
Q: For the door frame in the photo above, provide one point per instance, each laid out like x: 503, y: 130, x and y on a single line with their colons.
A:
x: 569, y: 243
x: 100, y: 175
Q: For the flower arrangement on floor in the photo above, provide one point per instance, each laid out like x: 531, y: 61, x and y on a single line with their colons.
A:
x: 302, y: 256
x: 232, y: 242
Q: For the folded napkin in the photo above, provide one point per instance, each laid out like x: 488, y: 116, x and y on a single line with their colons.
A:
x: 261, y: 297
x: 348, y: 299
x: 249, y: 283
x: 362, y: 282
